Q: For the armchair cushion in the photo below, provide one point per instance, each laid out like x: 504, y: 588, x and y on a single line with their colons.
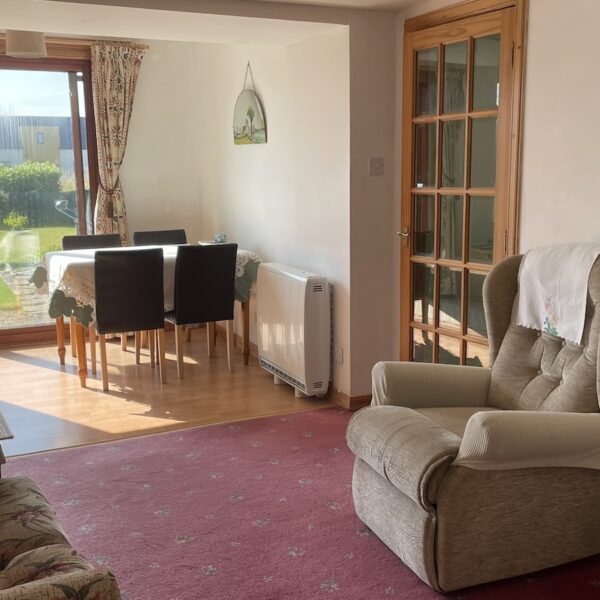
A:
x: 519, y: 439
x: 27, y: 520
x: 404, y: 447
x: 80, y: 585
x: 422, y: 385
x: 40, y: 563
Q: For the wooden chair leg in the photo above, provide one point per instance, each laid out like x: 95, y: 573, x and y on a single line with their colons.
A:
x: 161, y: 355
x: 246, y: 330
x: 60, y: 339
x: 124, y: 341
x: 138, y: 346
x: 103, y: 363
x: 229, y: 328
x: 152, y: 346
x: 73, y: 336
x: 144, y: 338
x: 179, y: 349
x: 92, y: 332
x: 214, y: 330
x: 81, y: 358
x: 188, y: 334
x: 209, y: 327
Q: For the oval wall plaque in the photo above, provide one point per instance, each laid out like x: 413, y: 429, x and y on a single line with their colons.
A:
x: 249, y: 125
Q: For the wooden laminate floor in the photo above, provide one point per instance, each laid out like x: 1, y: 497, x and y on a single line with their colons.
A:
x: 46, y: 408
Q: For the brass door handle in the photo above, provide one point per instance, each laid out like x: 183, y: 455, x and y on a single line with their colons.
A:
x: 404, y: 233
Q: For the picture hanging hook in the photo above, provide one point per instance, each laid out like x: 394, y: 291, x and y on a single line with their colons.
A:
x: 248, y: 70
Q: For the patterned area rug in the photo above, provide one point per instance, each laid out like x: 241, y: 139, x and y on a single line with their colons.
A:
x: 260, y: 509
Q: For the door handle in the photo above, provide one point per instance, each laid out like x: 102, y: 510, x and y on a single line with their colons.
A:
x: 404, y: 234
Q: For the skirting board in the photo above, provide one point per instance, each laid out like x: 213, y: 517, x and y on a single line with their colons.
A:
x: 349, y: 402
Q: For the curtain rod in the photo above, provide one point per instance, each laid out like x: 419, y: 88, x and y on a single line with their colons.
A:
x: 57, y: 41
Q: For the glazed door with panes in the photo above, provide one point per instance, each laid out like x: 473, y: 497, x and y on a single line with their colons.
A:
x: 457, y: 113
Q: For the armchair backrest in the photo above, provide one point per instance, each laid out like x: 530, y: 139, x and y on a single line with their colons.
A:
x: 534, y: 370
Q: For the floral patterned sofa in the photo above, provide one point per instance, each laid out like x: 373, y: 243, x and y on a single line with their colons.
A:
x: 36, y: 560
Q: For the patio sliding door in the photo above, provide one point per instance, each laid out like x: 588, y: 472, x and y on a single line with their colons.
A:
x: 46, y: 183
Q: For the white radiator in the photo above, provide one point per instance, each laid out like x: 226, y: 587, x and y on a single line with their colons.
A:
x: 293, y: 313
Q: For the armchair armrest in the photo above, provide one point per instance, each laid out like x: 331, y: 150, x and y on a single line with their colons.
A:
x: 404, y: 447
x: 422, y: 385
x: 516, y: 439
x: 86, y: 585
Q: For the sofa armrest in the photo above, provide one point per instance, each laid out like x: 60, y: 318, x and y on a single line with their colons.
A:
x: 84, y: 585
x: 422, y: 385
x: 516, y: 439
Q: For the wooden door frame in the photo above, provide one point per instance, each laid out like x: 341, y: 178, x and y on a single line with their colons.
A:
x: 470, y: 8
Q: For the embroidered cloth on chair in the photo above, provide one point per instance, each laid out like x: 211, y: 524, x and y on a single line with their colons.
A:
x: 553, y: 284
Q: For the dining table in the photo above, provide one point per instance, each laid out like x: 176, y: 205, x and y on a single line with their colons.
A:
x: 68, y: 277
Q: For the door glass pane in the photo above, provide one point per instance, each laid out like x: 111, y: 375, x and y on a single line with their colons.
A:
x: 477, y: 355
x: 450, y: 295
x: 486, y: 72
x: 481, y: 229
x: 422, y: 346
x: 451, y: 227
x: 455, y: 77
x: 38, y: 203
x: 424, y: 224
x: 475, y: 314
x: 423, y: 293
x: 425, y: 151
x: 426, y: 92
x: 449, y: 350
x: 483, y: 153
x: 453, y: 154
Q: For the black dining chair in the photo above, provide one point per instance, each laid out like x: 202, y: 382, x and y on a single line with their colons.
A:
x: 88, y: 242
x: 130, y: 297
x: 163, y: 237
x: 204, y: 293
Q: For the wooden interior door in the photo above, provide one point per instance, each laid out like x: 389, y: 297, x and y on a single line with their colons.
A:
x: 455, y: 205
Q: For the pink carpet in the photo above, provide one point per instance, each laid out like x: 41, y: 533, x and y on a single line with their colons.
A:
x: 260, y: 509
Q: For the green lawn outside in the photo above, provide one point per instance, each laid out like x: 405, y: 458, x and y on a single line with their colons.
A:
x: 18, y: 251
x: 8, y: 301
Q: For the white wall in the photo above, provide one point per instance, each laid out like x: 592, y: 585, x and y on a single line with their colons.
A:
x: 160, y: 171
x: 288, y: 200
x: 559, y: 191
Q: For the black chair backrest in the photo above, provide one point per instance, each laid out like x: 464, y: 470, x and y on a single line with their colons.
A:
x: 205, y: 283
x: 85, y: 242
x: 129, y: 290
x: 159, y: 238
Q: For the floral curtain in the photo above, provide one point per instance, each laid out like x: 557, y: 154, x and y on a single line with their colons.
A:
x: 115, y: 69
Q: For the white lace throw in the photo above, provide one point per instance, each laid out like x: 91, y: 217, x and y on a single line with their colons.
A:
x: 553, y: 284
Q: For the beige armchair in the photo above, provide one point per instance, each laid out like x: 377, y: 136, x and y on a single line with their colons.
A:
x: 471, y: 475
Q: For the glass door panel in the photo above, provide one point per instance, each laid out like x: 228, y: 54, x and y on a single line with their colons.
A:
x: 456, y: 116
x: 455, y: 77
x: 427, y: 75
x: 424, y: 224
x: 453, y: 154
x: 43, y: 177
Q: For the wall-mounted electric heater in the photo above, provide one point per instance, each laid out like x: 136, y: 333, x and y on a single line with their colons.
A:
x: 293, y: 313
